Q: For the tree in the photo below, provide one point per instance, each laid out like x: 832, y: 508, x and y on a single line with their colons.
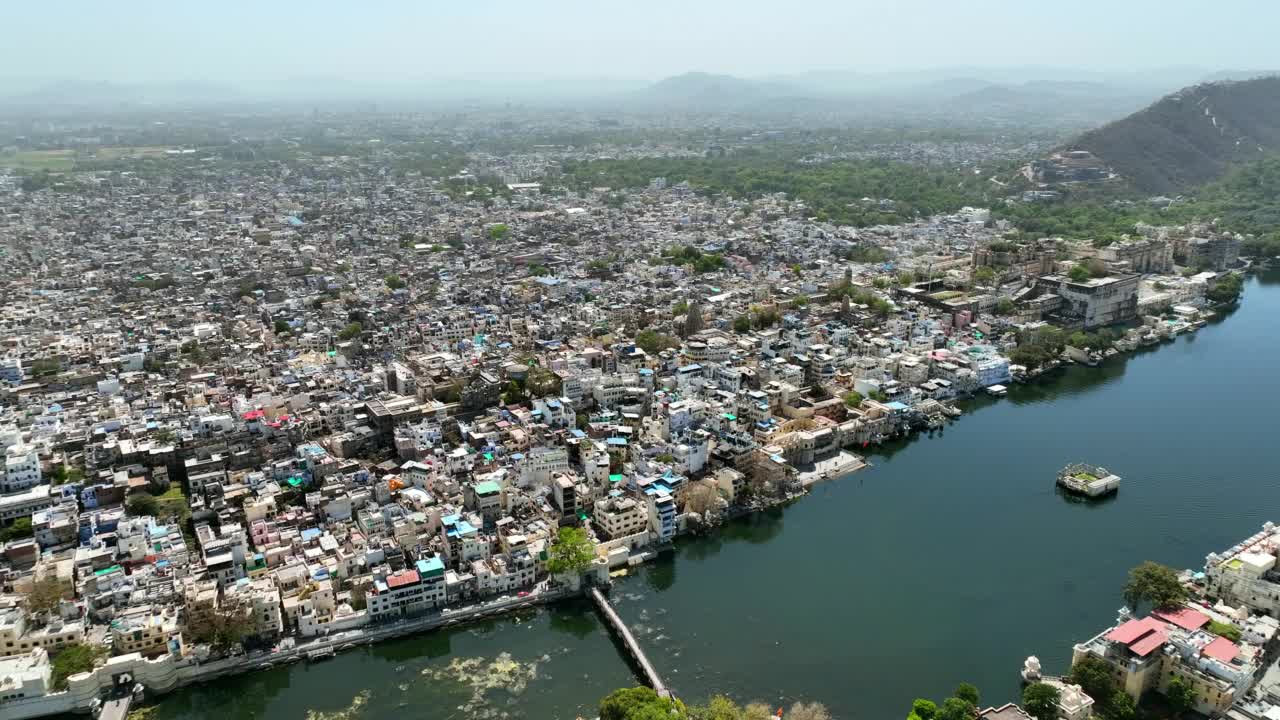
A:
x: 718, y: 708
x: 143, y: 504
x: 1095, y: 678
x: 73, y: 659
x: 923, y: 709
x: 984, y: 276
x: 742, y: 324
x: 852, y: 399
x: 499, y: 231
x: 220, y: 629
x: 1226, y: 290
x: 350, y: 331
x: 46, y: 595
x: 1041, y: 701
x: 701, y: 497
x: 654, y: 342
x: 1120, y: 707
x: 514, y: 394
x: 955, y: 709
x: 21, y: 528
x: 1180, y: 695
x: 1005, y: 306
x: 808, y: 711
x: 639, y: 703
x: 45, y: 366
x: 1155, y: 584
x: 1078, y: 273
x: 280, y: 326
x: 571, y: 553
x: 393, y: 282
x: 968, y: 693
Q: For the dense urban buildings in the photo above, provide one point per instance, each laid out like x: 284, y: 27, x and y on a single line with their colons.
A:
x: 254, y: 405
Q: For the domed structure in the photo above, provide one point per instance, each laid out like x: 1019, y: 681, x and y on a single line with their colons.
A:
x: 1031, y: 669
x: 1073, y: 703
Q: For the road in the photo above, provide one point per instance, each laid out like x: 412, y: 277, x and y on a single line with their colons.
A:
x: 349, y: 639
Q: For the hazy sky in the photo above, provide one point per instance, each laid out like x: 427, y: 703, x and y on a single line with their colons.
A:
x: 234, y: 41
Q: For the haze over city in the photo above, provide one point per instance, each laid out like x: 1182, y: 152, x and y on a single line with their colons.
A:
x: 251, y: 46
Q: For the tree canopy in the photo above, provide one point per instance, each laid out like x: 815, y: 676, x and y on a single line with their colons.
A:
x: 143, y: 503
x: 46, y: 594
x: 1154, y: 584
x: 572, y: 552
x: 1226, y: 290
x: 654, y: 342
x: 1097, y: 679
x: 1041, y: 701
x: 350, y: 331
x: 73, y: 659
x: 218, y: 628
x: 1181, y: 696
x: 639, y: 703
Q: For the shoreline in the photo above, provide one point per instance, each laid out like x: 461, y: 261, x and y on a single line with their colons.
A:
x: 187, y: 672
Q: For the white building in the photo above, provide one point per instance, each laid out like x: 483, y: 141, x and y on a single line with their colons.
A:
x: 23, y: 504
x: 408, y: 592
x: 21, y: 468
x: 620, y: 516
x: 25, y: 676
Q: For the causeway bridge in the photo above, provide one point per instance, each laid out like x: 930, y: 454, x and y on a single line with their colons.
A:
x: 647, y: 671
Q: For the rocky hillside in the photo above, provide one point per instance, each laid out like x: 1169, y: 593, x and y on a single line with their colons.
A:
x: 1192, y: 136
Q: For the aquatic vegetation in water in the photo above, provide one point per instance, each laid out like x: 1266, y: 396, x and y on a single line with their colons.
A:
x: 351, y: 711
x: 483, y: 677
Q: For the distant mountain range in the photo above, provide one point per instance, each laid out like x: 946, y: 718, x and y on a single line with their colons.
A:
x: 1191, y: 136
x: 1031, y: 94
x: 1061, y: 98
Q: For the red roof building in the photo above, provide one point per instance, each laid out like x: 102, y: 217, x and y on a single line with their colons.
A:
x: 1184, y: 617
x: 402, y: 578
x: 1221, y: 649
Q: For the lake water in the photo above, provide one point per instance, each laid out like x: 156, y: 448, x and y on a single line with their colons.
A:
x: 950, y: 560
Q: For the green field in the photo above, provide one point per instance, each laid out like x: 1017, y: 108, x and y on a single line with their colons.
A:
x: 54, y: 160
x: 64, y: 160
x: 116, y: 153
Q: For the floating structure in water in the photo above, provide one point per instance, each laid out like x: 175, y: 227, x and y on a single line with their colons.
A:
x: 1088, y: 480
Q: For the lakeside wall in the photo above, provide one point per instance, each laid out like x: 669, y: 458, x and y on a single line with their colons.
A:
x: 168, y: 673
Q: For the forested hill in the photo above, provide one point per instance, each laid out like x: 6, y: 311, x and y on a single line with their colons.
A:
x: 1191, y: 137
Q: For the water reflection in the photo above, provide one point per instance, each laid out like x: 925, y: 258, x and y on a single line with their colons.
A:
x: 660, y: 574
x: 574, y: 617
x: 1091, y: 503
x: 429, y: 645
